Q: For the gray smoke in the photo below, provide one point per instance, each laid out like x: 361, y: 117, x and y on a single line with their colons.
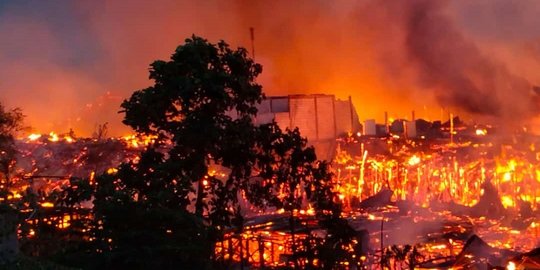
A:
x: 457, y: 70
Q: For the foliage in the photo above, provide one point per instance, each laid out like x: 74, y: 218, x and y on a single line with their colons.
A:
x: 10, y: 124
x: 165, y: 209
x: 190, y: 106
x: 168, y: 208
x: 291, y: 176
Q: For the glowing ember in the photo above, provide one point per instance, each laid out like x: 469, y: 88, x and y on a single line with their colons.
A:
x: 53, y: 137
x: 481, y: 132
x: 414, y: 160
x: 33, y: 137
x: 47, y: 205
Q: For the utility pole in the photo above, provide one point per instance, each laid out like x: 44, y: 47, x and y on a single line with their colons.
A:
x: 252, y: 34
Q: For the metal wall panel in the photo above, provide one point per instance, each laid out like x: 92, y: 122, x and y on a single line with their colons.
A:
x: 283, y: 120
x: 326, y: 125
x: 303, y: 115
x: 264, y: 107
x: 343, y: 117
x: 280, y: 104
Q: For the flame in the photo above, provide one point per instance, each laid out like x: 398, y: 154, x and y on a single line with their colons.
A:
x: 53, y: 137
x: 481, y: 132
x: 507, y: 201
x: 136, y: 141
x: 414, y: 160
x: 47, y: 204
x: 34, y: 137
x: 68, y: 139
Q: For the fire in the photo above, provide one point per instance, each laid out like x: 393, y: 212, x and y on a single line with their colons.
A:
x: 422, y: 175
x: 53, y: 137
x: 414, y: 160
x: 139, y: 141
x: 34, y: 137
x: 481, y: 132
x: 507, y: 201
x: 47, y: 204
x: 68, y: 139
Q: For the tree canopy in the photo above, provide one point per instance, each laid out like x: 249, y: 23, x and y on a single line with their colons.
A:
x: 10, y: 123
x: 169, y: 207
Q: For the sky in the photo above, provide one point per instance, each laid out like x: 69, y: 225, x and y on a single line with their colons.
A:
x: 69, y: 64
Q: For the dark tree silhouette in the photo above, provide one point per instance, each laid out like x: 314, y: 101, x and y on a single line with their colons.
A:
x: 10, y: 124
x: 168, y: 208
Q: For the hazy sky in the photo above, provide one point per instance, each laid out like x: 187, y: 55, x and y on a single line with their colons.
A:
x: 70, y: 63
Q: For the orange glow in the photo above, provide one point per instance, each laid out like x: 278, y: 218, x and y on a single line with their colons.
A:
x: 33, y: 137
x: 47, y: 205
x: 68, y: 139
x: 135, y: 141
x: 53, y: 137
x: 481, y: 132
x: 414, y: 160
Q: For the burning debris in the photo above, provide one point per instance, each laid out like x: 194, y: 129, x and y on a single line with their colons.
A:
x: 470, y: 203
x: 46, y: 162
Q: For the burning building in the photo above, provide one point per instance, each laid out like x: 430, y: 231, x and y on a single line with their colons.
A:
x: 320, y: 118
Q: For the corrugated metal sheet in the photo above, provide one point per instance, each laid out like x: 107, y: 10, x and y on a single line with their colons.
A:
x: 319, y: 117
x: 279, y: 104
x: 264, y: 107
x: 343, y: 117
x: 303, y: 116
x: 283, y: 120
x: 410, y: 127
x: 264, y: 118
x: 370, y: 127
x: 326, y: 124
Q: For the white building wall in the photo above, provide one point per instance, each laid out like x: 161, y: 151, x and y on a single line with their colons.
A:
x: 303, y: 112
x: 370, y: 127
x: 410, y: 128
x: 326, y: 124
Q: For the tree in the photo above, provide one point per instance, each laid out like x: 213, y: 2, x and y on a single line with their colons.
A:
x: 169, y: 207
x: 289, y: 177
x: 10, y: 124
x: 190, y: 105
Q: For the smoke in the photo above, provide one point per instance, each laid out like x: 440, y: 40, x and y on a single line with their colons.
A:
x: 60, y: 59
x: 457, y: 71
